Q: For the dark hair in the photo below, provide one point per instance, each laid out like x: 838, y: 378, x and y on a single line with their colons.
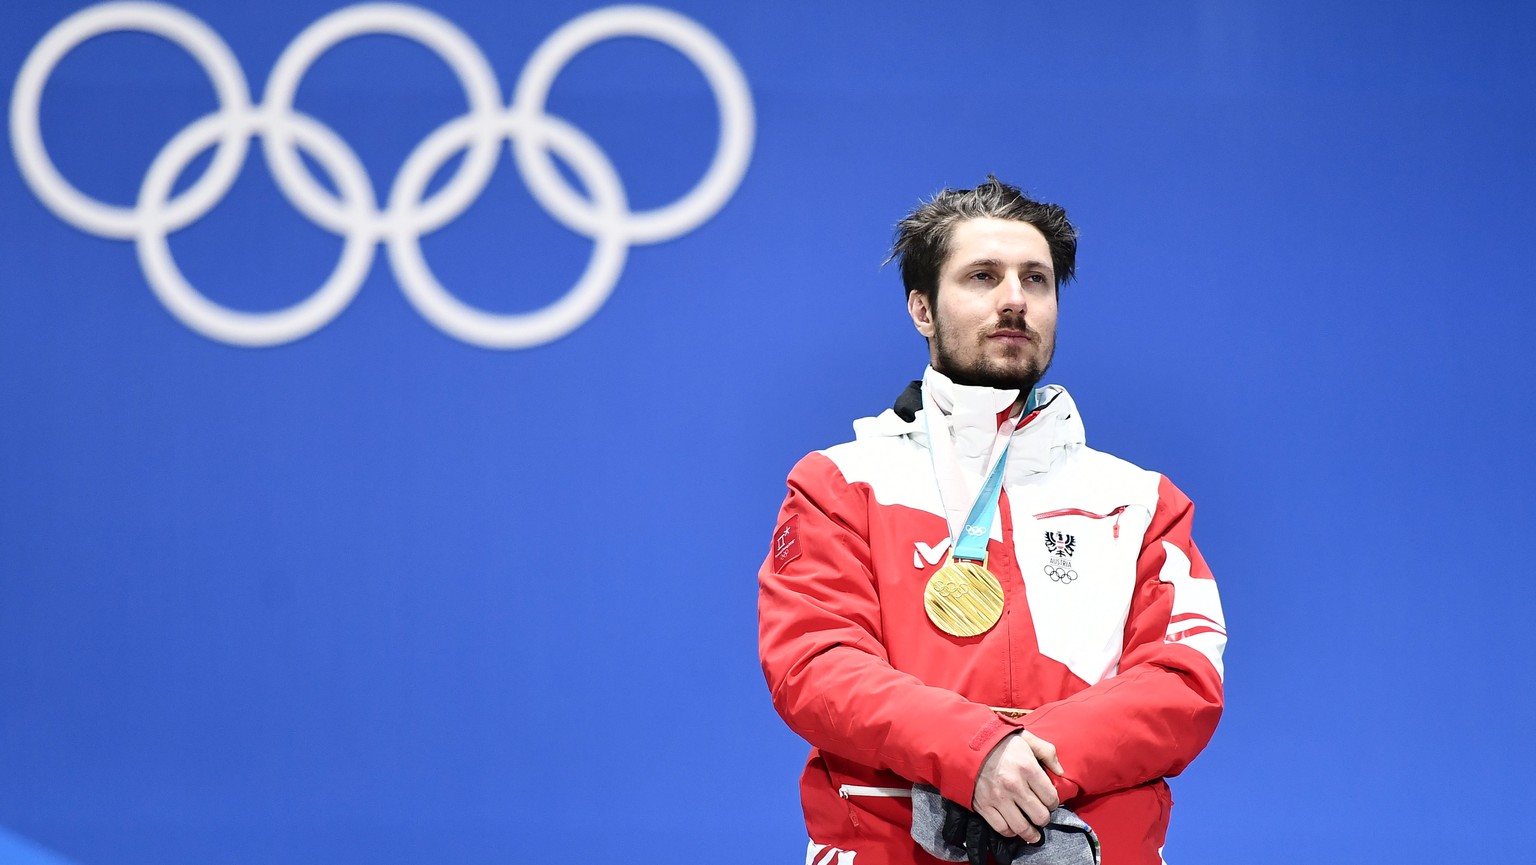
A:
x: 922, y: 238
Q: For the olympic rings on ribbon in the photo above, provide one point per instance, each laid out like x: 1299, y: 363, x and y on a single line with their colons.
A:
x: 352, y: 212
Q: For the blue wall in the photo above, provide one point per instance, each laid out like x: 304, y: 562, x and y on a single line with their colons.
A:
x: 378, y: 594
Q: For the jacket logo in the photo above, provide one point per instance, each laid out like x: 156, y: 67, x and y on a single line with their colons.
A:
x: 786, y: 543
x: 1060, y: 546
x: 931, y: 555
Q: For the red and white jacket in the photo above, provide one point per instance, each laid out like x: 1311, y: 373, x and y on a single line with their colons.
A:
x: 1116, y: 653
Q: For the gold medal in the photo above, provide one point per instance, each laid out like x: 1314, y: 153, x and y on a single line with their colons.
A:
x: 963, y: 598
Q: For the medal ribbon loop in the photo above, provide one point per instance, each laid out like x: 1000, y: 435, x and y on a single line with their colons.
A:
x: 968, y: 539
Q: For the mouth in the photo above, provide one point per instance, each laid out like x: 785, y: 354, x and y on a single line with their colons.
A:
x: 1010, y: 336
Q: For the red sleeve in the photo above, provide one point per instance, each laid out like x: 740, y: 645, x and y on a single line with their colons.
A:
x: 820, y: 644
x: 1156, y: 714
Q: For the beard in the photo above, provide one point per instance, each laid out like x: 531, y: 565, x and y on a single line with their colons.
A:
x: 988, y: 371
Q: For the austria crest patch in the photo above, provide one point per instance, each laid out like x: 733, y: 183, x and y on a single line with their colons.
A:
x: 1060, y: 546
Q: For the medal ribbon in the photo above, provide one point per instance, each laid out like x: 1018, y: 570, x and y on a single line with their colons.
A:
x: 968, y: 540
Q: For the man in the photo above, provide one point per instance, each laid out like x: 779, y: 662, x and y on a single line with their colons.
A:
x: 968, y: 598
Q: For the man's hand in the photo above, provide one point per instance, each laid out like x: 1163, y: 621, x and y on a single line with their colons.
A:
x: 1013, y: 793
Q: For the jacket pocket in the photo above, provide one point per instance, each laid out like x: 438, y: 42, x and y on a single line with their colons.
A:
x: 848, y: 791
x: 1111, y: 514
x: 879, y: 804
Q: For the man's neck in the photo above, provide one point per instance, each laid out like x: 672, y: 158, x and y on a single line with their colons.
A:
x: 966, y: 380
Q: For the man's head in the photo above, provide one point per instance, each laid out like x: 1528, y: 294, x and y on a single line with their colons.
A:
x: 982, y: 268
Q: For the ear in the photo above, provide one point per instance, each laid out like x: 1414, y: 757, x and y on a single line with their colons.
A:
x: 921, y: 312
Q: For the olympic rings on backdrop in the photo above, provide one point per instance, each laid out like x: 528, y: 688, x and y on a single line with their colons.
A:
x: 352, y: 212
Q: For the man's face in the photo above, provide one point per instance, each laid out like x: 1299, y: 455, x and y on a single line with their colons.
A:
x: 993, y: 321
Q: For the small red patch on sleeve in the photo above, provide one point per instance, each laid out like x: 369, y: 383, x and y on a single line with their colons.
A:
x: 786, y: 543
x: 985, y: 733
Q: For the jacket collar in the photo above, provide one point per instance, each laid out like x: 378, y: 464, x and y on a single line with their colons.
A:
x: 1054, y: 428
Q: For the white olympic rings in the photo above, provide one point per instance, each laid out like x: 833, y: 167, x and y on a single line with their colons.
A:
x: 352, y: 211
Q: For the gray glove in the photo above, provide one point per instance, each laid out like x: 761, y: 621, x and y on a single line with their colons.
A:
x: 955, y: 834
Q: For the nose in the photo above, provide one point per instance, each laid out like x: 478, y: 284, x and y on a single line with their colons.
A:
x: 1010, y: 294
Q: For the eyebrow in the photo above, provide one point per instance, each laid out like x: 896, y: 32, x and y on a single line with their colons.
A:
x: 1028, y: 265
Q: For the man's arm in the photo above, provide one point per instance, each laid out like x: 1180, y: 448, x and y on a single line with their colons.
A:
x: 1152, y: 718
x: 821, y: 647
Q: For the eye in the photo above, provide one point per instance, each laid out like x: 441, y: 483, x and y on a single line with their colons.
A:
x: 1037, y: 277
x: 981, y: 275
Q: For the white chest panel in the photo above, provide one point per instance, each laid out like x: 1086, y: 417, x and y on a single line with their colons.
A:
x: 1077, y: 535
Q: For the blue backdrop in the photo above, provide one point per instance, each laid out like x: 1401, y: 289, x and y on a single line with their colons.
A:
x: 389, y: 580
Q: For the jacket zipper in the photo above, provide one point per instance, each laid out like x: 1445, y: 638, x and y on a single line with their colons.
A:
x: 888, y: 792
x: 1079, y: 512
